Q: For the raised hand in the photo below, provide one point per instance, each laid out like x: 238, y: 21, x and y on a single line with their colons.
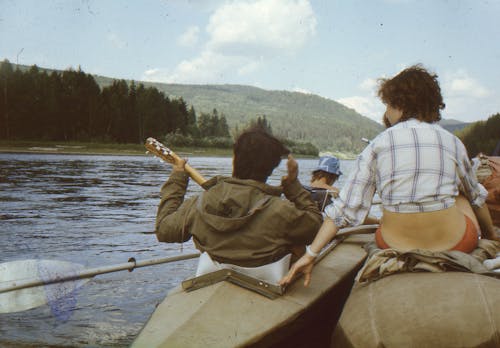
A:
x: 293, y: 170
x: 179, y: 164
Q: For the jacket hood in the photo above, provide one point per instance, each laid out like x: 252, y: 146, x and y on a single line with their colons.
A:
x: 228, y: 205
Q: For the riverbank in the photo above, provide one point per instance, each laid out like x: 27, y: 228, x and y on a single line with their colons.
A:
x: 84, y: 148
x: 99, y: 149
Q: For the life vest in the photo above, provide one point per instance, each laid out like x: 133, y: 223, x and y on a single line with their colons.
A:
x: 488, y: 174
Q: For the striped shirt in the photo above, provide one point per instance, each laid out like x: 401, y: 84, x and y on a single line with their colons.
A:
x: 414, y: 167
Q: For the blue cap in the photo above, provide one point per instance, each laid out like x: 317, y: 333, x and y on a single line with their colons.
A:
x: 329, y: 164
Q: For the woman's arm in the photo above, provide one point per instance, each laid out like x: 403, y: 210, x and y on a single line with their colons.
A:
x: 172, y: 210
x: 305, y: 264
x: 485, y: 222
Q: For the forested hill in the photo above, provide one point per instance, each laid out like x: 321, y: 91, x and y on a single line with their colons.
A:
x: 297, y: 116
x: 305, y: 117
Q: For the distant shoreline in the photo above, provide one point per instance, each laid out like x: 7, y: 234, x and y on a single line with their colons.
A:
x: 63, y: 148
x: 113, y: 149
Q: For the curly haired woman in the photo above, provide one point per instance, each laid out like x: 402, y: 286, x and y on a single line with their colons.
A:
x: 422, y: 174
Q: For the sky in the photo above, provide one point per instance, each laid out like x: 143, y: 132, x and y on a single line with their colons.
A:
x: 337, y: 49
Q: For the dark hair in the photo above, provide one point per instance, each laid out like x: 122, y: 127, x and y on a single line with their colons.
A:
x: 318, y: 174
x: 416, y: 92
x: 256, y: 154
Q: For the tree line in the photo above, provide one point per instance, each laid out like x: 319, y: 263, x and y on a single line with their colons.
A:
x: 482, y: 136
x: 70, y: 106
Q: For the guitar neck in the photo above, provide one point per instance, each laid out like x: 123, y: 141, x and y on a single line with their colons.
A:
x: 159, y: 150
x: 193, y: 173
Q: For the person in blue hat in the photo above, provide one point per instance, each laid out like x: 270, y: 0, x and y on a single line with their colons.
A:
x: 321, y: 187
x: 323, y: 177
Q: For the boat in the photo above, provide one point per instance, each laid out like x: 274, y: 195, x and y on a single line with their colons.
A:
x: 423, y: 309
x: 225, y: 314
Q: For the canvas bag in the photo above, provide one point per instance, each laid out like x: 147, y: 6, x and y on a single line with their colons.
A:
x: 488, y: 174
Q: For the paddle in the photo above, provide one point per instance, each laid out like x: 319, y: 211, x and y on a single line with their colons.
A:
x: 26, y: 284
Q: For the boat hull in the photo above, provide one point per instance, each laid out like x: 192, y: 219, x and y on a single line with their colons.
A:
x: 451, y: 309
x: 225, y: 315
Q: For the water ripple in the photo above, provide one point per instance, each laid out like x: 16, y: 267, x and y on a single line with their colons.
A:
x: 93, y: 211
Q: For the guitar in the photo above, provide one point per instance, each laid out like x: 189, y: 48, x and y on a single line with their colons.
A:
x: 159, y: 150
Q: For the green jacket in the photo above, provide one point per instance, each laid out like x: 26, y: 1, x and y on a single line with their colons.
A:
x: 243, y: 222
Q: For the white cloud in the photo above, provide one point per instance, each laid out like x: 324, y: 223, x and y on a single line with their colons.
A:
x: 190, y: 37
x: 243, y: 35
x: 155, y: 75
x: 257, y: 27
x: 208, y: 67
x: 370, y: 107
x: 367, y: 104
x: 369, y: 85
x: 461, y: 85
x: 249, y: 67
x: 465, y: 97
x: 302, y: 90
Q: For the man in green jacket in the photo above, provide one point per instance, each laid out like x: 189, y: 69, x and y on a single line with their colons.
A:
x: 241, y: 220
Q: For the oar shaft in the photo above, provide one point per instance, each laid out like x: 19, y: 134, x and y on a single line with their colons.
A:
x: 90, y: 272
x: 361, y: 229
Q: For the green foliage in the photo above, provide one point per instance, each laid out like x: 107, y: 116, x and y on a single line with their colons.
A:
x: 226, y: 142
x: 180, y: 140
x: 325, y: 123
x: 127, y: 112
x: 482, y: 136
x: 301, y: 148
x: 70, y: 106
x: 263, y: 123
x: 213, y: 125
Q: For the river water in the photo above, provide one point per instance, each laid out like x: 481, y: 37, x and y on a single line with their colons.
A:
x: 95, y: 211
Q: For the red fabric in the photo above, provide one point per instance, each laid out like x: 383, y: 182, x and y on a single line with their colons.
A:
x: 467, y: 244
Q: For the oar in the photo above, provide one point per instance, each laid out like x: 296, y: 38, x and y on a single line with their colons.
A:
x: 26, y: 284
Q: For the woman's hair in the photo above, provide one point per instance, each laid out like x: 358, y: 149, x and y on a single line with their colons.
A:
x: 416, y: 92
x: 256, y: 154
x: 318, y: 174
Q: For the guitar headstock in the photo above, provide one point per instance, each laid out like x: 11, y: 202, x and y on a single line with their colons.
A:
x: 160, y: 150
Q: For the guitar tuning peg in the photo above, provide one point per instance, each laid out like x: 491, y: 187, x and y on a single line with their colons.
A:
x: 147, y: 152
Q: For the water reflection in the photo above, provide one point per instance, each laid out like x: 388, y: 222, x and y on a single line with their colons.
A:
x: 94, y: 211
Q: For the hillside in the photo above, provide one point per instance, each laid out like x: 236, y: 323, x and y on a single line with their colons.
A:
x: 305, y: 117
x: 453, y: 125
x: 298, y: 116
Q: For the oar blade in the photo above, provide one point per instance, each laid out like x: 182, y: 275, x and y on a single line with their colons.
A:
x: 56, y: 294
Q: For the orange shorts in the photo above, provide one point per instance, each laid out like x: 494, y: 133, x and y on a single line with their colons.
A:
x: 467, y: 244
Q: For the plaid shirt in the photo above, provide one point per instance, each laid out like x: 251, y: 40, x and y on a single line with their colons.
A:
x: 415, y: 167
